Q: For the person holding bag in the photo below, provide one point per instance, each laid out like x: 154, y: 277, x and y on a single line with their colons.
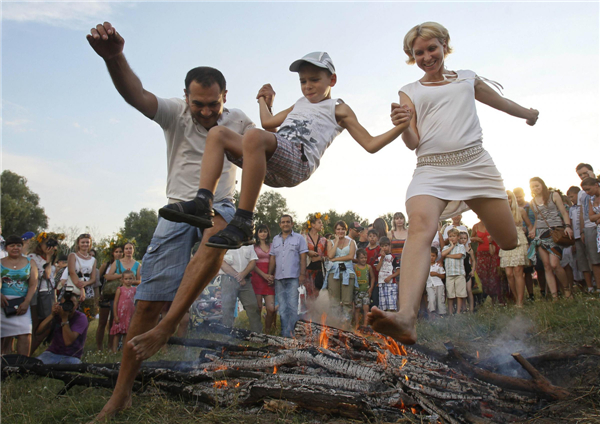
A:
x: 19, y: 284
x: 107, y: 296
x: 551, y: 224
x: 317, y: 249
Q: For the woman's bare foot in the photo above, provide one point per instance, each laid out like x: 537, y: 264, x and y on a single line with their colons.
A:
x: 393, y: 324
x: 147, y: 344
x: 115, y: 404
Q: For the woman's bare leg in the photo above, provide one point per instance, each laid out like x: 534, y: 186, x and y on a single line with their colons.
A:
x: 510, y: 276
x: 423, y: 214
x: 218, y: 140
x: 561, y: 275
x: 497, y: 218
x: 519, y: 285
x: 258, y: 147
x: 550, y: 280
x: 23, y: 344
x: 271, y: 312
x: 102, y: 321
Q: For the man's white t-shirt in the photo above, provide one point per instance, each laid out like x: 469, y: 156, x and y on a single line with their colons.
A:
x: 186, y: 140
x: 239, y: 259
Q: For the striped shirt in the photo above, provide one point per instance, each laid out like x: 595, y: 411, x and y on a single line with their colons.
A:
x: 455, y: 266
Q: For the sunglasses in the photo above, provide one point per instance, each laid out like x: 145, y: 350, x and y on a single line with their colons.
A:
x: 84, y: 236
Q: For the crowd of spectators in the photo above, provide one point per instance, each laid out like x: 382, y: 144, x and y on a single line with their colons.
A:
x: 52, y: 298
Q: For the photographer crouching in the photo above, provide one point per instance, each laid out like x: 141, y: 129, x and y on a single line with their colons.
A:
x: 69, y: 332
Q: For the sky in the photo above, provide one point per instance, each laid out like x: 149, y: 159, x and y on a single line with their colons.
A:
x: 93, y: 159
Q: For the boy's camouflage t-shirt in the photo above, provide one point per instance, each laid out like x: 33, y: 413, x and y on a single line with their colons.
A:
x: 362, y: 278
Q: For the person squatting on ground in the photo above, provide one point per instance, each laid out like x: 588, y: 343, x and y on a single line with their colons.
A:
x: 69, y: 331
x: 453, y: 172
x: 185, y: 123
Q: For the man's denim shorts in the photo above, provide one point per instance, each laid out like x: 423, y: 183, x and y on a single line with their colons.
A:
x: 169, y: 253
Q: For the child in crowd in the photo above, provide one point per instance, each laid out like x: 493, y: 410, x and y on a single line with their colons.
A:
x: 435, y: 286
x: 366, y: 281
x: 282, y: 159
x: 388, y: 268
x: 470, y: 263
x: 456, y: 285
x: 373, y: 250
x: 123, y: 308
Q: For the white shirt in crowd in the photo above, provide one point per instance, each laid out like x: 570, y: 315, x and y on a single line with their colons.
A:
x: 239, y: 259
x: 435, y: 281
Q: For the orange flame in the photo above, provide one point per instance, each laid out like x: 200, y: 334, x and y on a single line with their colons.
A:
x: 382, y: 358
x: 406, y: 376
x: 404, y: 361
x: 237, y: 385
x: 220, y: 384
x: 477, y: 354
x: 275, y: 370
x: 221, y: 367
x: 323, y: 338
x: 413, y: 410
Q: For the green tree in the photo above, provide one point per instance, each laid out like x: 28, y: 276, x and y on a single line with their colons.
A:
x: 21, y: 211
x: 269, y: 208
x: 140, y: 226
x: 348, y: 217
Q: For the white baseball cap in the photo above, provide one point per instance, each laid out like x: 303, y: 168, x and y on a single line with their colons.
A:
x: 320, y: 59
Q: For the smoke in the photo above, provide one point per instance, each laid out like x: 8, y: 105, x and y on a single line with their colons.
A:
x: 323, y: 305
x: 512, y: 339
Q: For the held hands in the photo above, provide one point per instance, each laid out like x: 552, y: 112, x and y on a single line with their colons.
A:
x: 268, y: 93
x: 270, y: 279
x: 401, y: 114
x: 106, y: 41
x: 532, y: 234
x: 534, y: 114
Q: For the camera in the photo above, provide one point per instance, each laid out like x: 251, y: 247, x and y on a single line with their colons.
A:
x: 68, y: 304
x: 342, y: 267
x: 52, y: 242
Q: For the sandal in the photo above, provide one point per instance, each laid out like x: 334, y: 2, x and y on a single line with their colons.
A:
x: 201, y: 218
x: 232, y: 239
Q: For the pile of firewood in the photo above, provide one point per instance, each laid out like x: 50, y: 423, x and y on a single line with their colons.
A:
x: 331, y: 371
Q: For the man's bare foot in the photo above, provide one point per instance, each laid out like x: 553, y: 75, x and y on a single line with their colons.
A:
x: 147, y: 344
x: 114, y: 405
x: 394, y: 325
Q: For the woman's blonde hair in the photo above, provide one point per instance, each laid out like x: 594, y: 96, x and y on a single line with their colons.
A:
x: 514, y: 208
x: 427, y: 31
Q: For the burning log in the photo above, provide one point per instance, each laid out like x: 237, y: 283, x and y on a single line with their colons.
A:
x: 327, y: 370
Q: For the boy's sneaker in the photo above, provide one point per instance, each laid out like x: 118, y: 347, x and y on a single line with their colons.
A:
x: 194, y: 212
x: 239, y: 232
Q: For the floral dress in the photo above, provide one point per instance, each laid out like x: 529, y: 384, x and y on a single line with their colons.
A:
x: 125, y: 310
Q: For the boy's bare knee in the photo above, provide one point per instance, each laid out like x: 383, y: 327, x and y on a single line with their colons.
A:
x: 253, y: 138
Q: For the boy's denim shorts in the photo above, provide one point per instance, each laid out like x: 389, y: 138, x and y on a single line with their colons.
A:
x: 168, y: 255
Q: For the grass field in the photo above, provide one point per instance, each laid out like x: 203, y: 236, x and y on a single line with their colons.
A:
x: 493, y: 331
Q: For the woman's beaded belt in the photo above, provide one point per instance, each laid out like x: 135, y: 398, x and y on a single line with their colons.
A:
x: 450, y: 159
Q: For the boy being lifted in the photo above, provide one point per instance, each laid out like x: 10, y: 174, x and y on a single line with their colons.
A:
x: 282, y: 159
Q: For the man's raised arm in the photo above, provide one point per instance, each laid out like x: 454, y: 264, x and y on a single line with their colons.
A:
x: 108, y: 44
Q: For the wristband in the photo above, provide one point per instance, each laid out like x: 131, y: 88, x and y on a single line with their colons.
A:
x: 568, y: 226
x: 62, y: 324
